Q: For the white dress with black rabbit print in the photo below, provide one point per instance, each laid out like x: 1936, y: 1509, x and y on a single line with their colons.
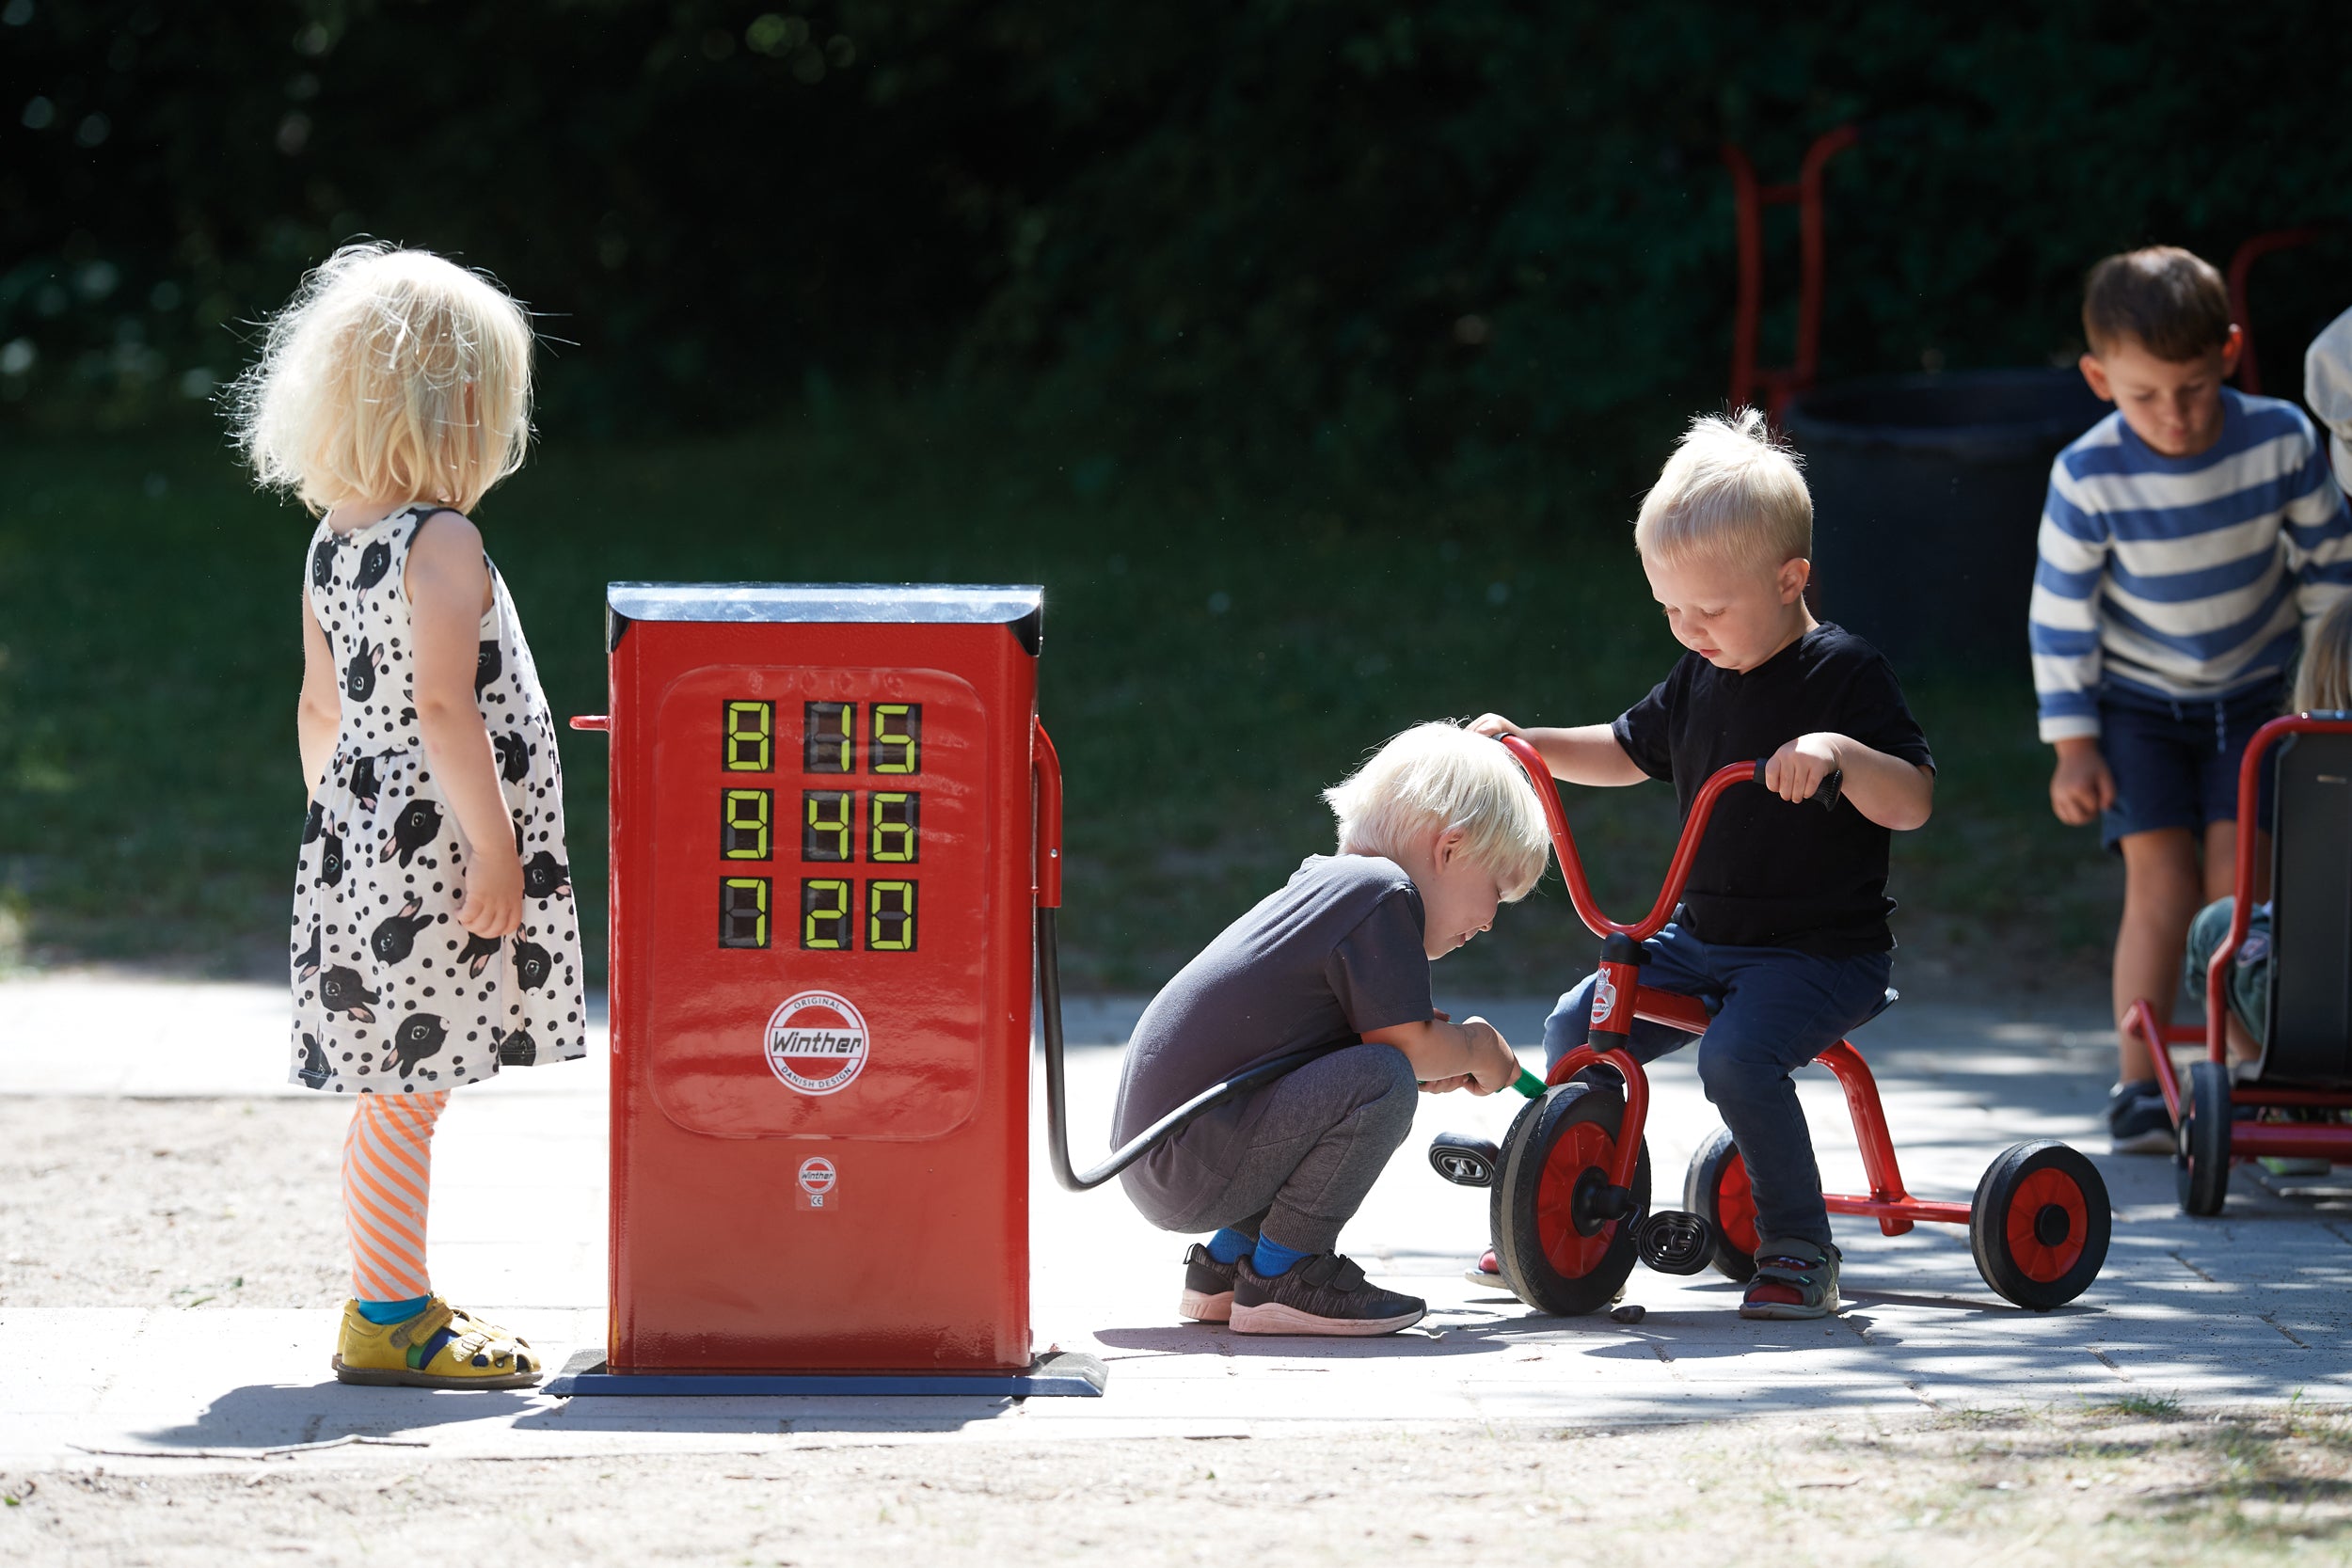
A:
x: 392, y: 995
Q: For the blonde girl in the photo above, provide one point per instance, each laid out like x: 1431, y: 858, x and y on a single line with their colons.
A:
x: 434, y: 937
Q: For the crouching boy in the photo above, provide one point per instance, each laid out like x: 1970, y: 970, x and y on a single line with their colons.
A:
x: 1782, y: 932
x: 1435, y: 831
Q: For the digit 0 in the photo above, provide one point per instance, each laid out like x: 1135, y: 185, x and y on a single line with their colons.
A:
x: 890, y: 917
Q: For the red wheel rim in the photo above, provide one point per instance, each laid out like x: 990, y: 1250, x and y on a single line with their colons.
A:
x: 1581, y: 1148
x: 1735, y: 1205
x: 2037, y: 1260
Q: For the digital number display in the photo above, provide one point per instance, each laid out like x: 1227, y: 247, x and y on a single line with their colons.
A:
x: 834, y: 917
x: 892, y: 820
x: 828, y: 737
x: 890, y: 917
x: 751, y: 745
x: 897, y: 746
x: 825, y: 919
x: 825, y: 831
x: 743, y: 912
x: 743, y: 817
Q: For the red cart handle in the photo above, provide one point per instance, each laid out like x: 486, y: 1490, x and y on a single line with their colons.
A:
x: 1677, y: 872
x: 1046, y: 874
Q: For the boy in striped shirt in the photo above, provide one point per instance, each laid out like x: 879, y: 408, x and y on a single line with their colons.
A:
x: 2188, y: 540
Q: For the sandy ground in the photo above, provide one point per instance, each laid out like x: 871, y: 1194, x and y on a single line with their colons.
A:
x: 2146, y: 1486
x: 202, y: 1203
x: 170, y: 1202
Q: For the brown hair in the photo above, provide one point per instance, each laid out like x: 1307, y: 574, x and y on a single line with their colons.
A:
x: 2168, y: 301
x: 2324, y: 683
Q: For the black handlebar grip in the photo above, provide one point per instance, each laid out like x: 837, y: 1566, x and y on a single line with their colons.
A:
x: 1826, y: 795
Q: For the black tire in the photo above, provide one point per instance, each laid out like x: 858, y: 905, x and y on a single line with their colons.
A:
x: 1714, y: 1168
x: 1572, y: 1126
x: 2201, y: 1163
x: 2041, y: 1223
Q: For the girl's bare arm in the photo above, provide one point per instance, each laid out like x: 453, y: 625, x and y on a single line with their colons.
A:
x: 1588, y: 755
x: 449, y: 588
x: 319, y: 714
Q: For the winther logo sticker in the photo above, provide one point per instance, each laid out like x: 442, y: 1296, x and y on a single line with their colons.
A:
x: 817, y: 1043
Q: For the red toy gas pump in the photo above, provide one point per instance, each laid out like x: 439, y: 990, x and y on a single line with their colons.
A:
x: 823, y: 855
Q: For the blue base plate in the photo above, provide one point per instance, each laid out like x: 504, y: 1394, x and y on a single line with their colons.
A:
x: 1055, y: 1372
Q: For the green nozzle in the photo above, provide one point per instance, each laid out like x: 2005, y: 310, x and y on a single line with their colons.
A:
x: 1529, y: 1085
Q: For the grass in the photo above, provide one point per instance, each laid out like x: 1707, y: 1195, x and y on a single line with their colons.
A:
x: 1216, y: 653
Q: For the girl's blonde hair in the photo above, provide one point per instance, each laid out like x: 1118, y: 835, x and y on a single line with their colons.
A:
x: 2324, y: 683
x: 1732, y: 493
x: 1435, y: 778
x: 390, y: 375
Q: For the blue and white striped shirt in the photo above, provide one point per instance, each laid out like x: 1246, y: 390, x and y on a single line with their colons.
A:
x: 2184, y: 578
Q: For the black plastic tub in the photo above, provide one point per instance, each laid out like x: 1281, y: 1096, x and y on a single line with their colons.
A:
x: 1927, y: 494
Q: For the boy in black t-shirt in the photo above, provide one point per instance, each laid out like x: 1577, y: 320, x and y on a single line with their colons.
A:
x: 1782, y: 932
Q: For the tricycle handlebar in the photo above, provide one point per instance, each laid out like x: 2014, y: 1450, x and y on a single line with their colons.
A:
x: 1685, y: 850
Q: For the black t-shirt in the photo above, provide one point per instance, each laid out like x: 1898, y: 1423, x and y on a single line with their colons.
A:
x: 1771, y: 873
x: 1334, y: 953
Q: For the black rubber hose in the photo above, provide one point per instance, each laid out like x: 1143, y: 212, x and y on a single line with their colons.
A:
x: 1056, y: 1101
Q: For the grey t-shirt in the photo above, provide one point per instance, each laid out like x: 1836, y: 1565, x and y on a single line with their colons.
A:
x: 1335, y: 952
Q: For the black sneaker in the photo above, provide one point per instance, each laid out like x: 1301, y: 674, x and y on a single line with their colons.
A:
x: 2138, y: 1123
x: 1326, y: 1293
x: 1208, y: 1296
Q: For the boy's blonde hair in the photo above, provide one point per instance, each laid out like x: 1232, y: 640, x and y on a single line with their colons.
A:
x: 1731, y: 494
x: 390, y: 375
x: 2324, y: 683
x: 1435, y: 778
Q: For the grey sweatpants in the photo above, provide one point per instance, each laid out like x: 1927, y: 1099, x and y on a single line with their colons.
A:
x: 1295, y: 1158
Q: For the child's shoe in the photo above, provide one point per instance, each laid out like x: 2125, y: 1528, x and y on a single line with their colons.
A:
x: 1326, y: 1293
x: 1793, y: 1279
x: 442, y: 1347
x: 1208, y: 1296
x: 1488, y: 1273
x: 2138, y: 1123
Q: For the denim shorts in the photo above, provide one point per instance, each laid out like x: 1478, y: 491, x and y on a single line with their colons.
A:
x: 2175, y: 763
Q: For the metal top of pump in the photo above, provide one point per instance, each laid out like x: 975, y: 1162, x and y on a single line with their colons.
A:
x: 1020, y: 606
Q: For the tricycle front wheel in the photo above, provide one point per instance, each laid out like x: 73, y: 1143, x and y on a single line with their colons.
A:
x: 1553, y: 1254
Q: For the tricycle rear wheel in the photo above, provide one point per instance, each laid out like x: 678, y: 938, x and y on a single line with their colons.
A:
x: 2202, y: 1160
x: 1716, y: 1190
x: 2041, y: 1223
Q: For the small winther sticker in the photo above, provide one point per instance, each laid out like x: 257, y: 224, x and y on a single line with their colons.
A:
x: 818, y: 1183
x: 816, y: 1043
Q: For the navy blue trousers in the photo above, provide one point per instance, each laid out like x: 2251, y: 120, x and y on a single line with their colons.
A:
x: 1774, y: 1009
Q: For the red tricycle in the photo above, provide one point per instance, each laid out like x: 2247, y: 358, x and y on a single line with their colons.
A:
x: 2298, y: 1084
x: 1570, y: 1181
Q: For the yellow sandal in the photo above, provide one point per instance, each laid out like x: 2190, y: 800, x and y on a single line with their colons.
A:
x: 442, y: 1347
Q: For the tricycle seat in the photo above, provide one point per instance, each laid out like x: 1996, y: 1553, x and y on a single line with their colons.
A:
x: 2308, y: 1043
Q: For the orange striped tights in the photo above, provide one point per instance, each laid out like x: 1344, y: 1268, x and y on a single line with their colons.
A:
x: 388, y: 1184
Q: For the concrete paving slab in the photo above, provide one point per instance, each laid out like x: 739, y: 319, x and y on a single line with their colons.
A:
x: 2253, y: 1306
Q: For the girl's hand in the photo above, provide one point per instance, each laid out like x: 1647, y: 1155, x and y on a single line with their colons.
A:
x: 490, y: 900
x: 1797, y: 769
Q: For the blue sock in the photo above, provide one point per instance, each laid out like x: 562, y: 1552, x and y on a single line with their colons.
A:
x: 1273, y: 1257
x: 392, y: 1311
x: 1228, y: 1244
